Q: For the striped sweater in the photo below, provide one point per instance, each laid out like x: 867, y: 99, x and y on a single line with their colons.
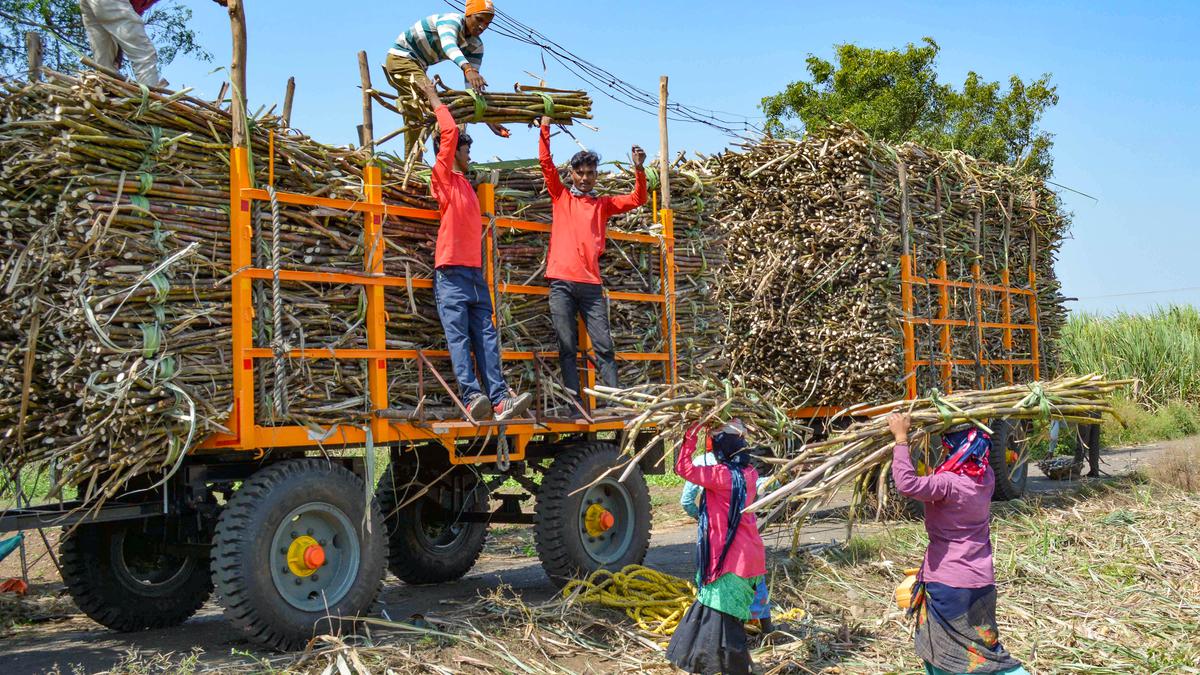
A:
x: 438, y: 38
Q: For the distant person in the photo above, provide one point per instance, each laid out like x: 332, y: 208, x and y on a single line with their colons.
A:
x: 730, y: 557
x: 436, y: 38
x: 464, y: 302
x: 115, y: 28
x: 954, y: 598
x: 578, y: 237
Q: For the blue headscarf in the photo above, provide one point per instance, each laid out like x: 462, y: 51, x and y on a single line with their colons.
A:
x: 966, y: 452
x: 727, y: 448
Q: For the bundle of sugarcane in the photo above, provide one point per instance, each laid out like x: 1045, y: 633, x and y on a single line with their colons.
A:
x: 525, y: 104
x: 671, y: 409
x: 819, y: 469
x: 815, y: 230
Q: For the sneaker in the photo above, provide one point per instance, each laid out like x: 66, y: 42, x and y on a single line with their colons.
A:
x: 513, y: 406
x: 480, y: 408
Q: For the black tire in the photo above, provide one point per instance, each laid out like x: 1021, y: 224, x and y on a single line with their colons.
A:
x: 1010, y: 481
x: 425, y: 544
x: 122, y: 577
x: 246, y: 572
x: 559, y: 531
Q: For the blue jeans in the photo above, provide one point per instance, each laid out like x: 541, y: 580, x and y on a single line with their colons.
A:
x: 465, y: 308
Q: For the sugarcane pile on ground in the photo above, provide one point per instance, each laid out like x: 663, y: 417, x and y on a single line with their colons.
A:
x: 815, y: 230
x: 813, y: 474
x: 114, y: 208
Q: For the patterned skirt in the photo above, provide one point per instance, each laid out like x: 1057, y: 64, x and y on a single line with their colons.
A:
x: 956, y: 629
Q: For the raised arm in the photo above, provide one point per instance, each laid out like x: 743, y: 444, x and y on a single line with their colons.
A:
x: 933, y: 488
x: 704, y: 476
x: 549, y: 171
x: 443, y: 167
x: 631, y: 201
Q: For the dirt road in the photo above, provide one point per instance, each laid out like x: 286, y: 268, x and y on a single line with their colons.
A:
x: 73, y: 641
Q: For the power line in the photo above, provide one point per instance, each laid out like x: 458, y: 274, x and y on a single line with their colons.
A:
x: 612, y: 86
x: 1126, y: 295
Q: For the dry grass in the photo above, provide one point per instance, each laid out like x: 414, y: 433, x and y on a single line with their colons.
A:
x: 1178, y: 467
x: 1105, y: 581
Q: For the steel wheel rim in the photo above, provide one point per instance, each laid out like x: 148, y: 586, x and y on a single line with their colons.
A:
x: 338, y: 538
x: 611, y: 545
x: 434, y: 529
x: 1020, y: 469
x: 139, y: 576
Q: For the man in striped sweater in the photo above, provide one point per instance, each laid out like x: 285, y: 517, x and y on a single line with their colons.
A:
x: 436, y: 38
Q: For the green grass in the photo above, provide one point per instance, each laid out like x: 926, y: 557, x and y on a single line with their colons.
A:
x: 1160, y: 349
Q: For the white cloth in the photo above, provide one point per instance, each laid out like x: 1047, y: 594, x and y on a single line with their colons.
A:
x: 112, y: 28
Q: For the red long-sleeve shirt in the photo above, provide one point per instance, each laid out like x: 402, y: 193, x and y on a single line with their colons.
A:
x: 460, y: 230
x: 747, y: 556
x: 577, y: 235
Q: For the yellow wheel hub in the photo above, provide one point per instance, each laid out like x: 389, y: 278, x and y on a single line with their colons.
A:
x: 598, y: 520
x: 305, y: 556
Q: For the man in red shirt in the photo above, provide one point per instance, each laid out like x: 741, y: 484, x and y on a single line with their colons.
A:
x: 463, y: 301
x: 578, y: 237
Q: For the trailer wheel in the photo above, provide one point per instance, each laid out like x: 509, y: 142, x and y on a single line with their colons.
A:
x: 426, y: 542
x: 123, y: 576
x: 298, y: 551
x: 603, y: 526
x: 1008, y: 459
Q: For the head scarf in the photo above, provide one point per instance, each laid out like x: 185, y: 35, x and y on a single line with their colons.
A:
x: 727, y: 445
x: 966, y: 452
x: 479, y: 6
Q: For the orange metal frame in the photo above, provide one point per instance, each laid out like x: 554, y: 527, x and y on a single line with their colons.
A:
x: 245, y: 431
x: 946, y: 362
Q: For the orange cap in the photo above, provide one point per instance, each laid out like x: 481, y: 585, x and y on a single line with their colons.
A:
x: 477, y: 6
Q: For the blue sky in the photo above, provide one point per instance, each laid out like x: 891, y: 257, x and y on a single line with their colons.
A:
x: 1125, y: 128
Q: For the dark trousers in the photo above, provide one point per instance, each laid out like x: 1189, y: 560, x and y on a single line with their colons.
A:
x: 1088, y: 441
x: 465, y: 308
x: 569, y: 299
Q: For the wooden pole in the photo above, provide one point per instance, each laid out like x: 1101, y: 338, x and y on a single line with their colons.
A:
x: 33, y: 53
x: 664, y: 177
x: 287, y: 102
x: 368, y: 128
x: 237, y: 71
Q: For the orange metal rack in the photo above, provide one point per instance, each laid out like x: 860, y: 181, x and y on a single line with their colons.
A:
x: 245, y: 431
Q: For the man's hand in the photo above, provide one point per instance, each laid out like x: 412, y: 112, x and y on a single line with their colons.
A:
x: 474, y: 79
x: 639, y: 156
x: 431, y: 94
x: 692, y: 433
x: 546, y: 120
x: 899, y: 424
x: 499, y: 129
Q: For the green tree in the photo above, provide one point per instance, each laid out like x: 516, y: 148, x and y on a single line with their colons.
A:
x: 895, y: 95
x: 64, y: 40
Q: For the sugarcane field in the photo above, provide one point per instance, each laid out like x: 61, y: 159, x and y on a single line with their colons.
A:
x: 641, y: 344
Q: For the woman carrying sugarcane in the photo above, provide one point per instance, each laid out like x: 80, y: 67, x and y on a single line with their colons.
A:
x: 954, y: 598
x: 730, y: 557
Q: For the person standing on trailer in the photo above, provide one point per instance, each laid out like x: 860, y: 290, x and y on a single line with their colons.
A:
x: 954, y: 597
x: 578, y: 236
x: 464, y: 302
x: 731, y: 559
x: 115, y: 27
x: 436, y: 38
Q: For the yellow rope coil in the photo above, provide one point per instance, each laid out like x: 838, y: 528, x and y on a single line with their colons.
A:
x: 654, y: 600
